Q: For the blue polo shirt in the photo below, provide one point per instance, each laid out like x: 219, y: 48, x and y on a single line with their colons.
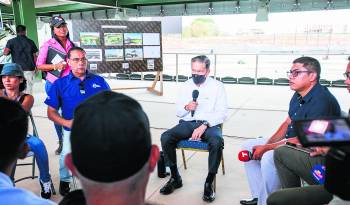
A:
x: 68, y: 92
x: 317, y: 103
x: 10, y: 195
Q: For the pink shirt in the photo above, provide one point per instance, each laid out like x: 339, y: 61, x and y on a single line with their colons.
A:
x: 43, y: 55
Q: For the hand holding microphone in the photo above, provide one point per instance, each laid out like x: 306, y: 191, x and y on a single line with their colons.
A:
x: 192, y: 106
x: 245, y: 156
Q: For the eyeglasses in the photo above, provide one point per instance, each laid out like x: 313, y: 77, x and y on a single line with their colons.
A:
x: 347, y: 75
x: 82, y: 87
x: 76, y: 60
x: 295, y: 73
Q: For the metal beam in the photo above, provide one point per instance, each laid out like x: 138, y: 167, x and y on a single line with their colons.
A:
x: 135, y: 3
x: 6, y: 9
x: 69, y: 8
x: 102, y: 3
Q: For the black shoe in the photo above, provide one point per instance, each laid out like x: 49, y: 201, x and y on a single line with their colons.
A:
x: 209, y: 193
x: 171, y: 185
x: 64, y: 188
x: 45, y: 189
x: 249, y: 201
x: 59, y: 149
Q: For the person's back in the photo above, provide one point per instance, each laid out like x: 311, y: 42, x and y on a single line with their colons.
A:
x: 22, y: 52
x: 13, y: 129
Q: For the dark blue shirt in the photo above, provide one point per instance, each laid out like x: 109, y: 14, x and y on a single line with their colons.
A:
x: 317, y: 103
x: 68, y: 92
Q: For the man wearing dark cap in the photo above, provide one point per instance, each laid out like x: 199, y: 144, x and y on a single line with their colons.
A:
x: 13, y: 129
x: 112, y: 152
x: 67, y: 93
x: 24, y: 52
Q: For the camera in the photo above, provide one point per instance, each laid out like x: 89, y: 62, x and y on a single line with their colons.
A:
x: 334, y: 133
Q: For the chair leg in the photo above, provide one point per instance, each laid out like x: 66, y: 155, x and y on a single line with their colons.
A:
x: 53, y: 188
x: 183, y: 158
x: 215, y: 183
x: 223, y: 164
x: 33, y: 168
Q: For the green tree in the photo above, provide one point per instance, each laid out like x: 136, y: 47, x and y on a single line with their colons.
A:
x: 201, y: 27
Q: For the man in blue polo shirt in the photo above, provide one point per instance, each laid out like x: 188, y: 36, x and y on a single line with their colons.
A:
x: 310, y: 100
x: 67, y: 93
x: 13, y: 129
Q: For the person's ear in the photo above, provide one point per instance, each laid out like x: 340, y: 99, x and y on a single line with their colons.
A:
x: 313, y: 76
x: 24, y: 151
x: 68, y: 161
x: 153, y: 159
x: 21, y: 80
x: 69, y: 63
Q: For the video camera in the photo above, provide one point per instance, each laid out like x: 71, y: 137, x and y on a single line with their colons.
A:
x: 335, y: 133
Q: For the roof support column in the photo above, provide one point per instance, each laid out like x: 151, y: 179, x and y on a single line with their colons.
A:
x: 24, y: 13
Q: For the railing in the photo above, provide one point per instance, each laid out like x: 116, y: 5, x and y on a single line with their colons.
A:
x: 255, y: 66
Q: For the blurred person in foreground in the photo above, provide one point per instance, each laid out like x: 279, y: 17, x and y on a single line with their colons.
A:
x: 112, y: 131
x: 13, y: 146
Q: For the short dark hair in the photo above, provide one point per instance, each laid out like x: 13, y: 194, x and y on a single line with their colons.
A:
x: 76, y: 48
x: 22, y: 86
x: 202, y: 59
x: 310, y: 64
x: 13, y: 129
x: 20, y: 29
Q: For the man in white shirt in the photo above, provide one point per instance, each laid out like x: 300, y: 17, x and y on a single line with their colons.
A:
x: 202, y: 108
x: 13, y: 129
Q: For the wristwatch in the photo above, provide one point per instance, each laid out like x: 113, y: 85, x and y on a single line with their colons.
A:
x: 206, y: 123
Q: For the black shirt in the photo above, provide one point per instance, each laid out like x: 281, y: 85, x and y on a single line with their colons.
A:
x: 22, y: 50
x: 317, y: 103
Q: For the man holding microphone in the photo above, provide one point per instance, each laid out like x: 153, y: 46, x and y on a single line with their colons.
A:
x: 202, y: 108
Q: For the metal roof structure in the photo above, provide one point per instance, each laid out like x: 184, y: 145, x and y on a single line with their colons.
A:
x: 132, y: 8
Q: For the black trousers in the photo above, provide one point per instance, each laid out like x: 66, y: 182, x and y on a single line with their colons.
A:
x: 184, y: 130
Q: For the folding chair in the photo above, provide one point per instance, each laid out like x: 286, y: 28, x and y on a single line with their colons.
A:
x: 197, y: 146
x: 32, y: 163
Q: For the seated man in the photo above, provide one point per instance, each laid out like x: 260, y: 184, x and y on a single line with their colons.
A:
x: 12, y: 85
x: 293, y: 164
x: 112, y: 152
x: 201, y: 116
x: 13, y: 129
x: 310, y: 100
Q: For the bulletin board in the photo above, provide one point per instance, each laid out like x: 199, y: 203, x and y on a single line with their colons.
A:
x: 121, y: 46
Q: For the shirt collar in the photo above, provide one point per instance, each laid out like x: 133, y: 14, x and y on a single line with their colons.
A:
x: 5, y: 180
x: 72, y: 77
x: 310, y: 94
x: 203, y: 84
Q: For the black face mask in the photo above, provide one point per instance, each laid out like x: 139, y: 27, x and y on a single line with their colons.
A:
x: 198, y: 79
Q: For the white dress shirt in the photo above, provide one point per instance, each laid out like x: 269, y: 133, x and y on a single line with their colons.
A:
x: 212, y: 101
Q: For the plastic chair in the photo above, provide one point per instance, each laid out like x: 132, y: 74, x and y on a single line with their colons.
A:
x: 197, y: 146
x: 32, y: 163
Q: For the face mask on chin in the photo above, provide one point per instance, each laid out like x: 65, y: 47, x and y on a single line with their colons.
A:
x: 198, y: 79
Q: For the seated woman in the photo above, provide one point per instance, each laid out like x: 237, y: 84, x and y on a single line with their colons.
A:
x: 12, y: 84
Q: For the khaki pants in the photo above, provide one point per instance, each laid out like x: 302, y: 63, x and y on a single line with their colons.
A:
x: 29, y: 76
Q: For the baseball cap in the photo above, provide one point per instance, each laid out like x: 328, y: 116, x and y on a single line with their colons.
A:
x: 56, y: 21
x: 12, y: 69
x: 110, y: 137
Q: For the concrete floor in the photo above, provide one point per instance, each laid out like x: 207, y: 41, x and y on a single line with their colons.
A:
x: 253, y: 111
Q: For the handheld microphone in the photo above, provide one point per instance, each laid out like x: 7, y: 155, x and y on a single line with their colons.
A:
x: 195, y: 94
x: 245, y: 156
x: 318, y: 172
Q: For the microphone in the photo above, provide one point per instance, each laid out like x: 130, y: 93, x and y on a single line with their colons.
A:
x: 195, y: 94
x: 245, y: 156
x: 318, y: 172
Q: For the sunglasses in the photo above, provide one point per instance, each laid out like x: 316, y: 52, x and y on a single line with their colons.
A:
x: 347, y: 75
x: 82, y: 87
